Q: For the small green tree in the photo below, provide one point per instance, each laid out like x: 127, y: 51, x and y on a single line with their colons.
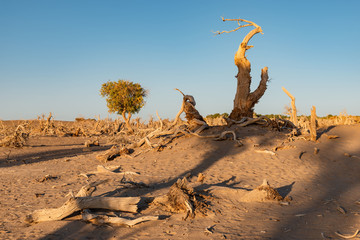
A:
x: 124, y: 97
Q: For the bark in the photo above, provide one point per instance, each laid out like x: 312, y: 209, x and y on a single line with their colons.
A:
x: 293, y: 116
x: 245, y: 100
x: 127, y: 121
x: 313, y: 134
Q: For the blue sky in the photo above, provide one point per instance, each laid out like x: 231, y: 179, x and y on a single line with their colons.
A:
x: 54, y: 55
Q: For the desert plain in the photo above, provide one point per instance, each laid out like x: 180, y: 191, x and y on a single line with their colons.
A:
x: 318, y: 182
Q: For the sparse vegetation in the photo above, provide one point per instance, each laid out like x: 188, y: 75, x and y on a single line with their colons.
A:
x: 124, y: 98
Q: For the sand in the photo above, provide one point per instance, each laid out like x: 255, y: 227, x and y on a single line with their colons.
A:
x: 323, y: 186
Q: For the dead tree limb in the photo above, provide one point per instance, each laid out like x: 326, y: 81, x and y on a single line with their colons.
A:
x: 104, y: 219
x: 293, y: 115
x: 313, y: 134
x: 83, y: 200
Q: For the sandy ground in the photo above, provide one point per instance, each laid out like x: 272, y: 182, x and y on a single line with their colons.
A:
x: 324, y: 186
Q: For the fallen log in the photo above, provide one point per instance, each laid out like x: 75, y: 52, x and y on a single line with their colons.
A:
x: 104, y: 219
x: 83, y: 200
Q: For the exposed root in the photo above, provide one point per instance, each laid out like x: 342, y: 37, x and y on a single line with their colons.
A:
x: 349, y: 236
x: 183, y: 198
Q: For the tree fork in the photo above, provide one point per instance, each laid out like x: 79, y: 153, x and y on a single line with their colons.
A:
x: 245, y: 100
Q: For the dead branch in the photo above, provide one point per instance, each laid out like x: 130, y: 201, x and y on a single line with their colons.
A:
x: 161, y: 122
x: 313, y: 133
x: 104, y: 219
x: 109, y: 171
x: 293, y: 116
x: 83, y: 200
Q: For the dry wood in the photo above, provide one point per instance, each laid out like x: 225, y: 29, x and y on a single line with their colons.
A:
x: 112, y: 153
x: 313, y: 134
x: 293, y: 116
x: 245, y: 100
x: 83, y: 200
x: 183, y: 198
x: 262, y: 193
x: 349, y: 236
x: 103, y: 170
x: 92, y: 143
x: 161, y: 122
x: 179, y: 197
x: 17, y: 139
x: 266, y: 152
x: 248, y: 121
x: 104, y: 219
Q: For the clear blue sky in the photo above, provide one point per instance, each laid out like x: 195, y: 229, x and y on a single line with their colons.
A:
x: 54, y: 55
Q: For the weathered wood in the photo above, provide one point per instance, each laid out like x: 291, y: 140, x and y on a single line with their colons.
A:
x: 104, y: 219
x: 112, y: 153
x: 83, y: 200
x: 293, y: 115
x: 245, y: 100
x: 126, y: 204
x: 313, y: 134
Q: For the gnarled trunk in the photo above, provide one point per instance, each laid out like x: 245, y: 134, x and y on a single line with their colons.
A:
x: 127, y: 121
x: 245, y: 100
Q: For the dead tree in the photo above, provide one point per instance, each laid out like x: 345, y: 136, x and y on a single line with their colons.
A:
x: 245, y: 100
x: 193, y: 117
x: 313, y: 134
x: 293, y: 115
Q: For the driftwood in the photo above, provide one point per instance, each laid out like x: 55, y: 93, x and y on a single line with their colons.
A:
x: 83, y: 200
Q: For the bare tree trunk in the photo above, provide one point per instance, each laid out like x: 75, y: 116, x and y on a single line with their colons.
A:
x: 313, y: 134
x: 127, y: 121
x: 245, y: 100
x: 293, y: 116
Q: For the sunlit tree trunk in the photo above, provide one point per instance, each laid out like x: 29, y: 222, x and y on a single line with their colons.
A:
x: 127, y: 121
x: 245, y: 100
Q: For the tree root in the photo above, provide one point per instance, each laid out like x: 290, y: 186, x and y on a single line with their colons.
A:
x: 183, y: 198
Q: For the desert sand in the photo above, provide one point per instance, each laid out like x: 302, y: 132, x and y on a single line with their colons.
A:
x: 320, y: 180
